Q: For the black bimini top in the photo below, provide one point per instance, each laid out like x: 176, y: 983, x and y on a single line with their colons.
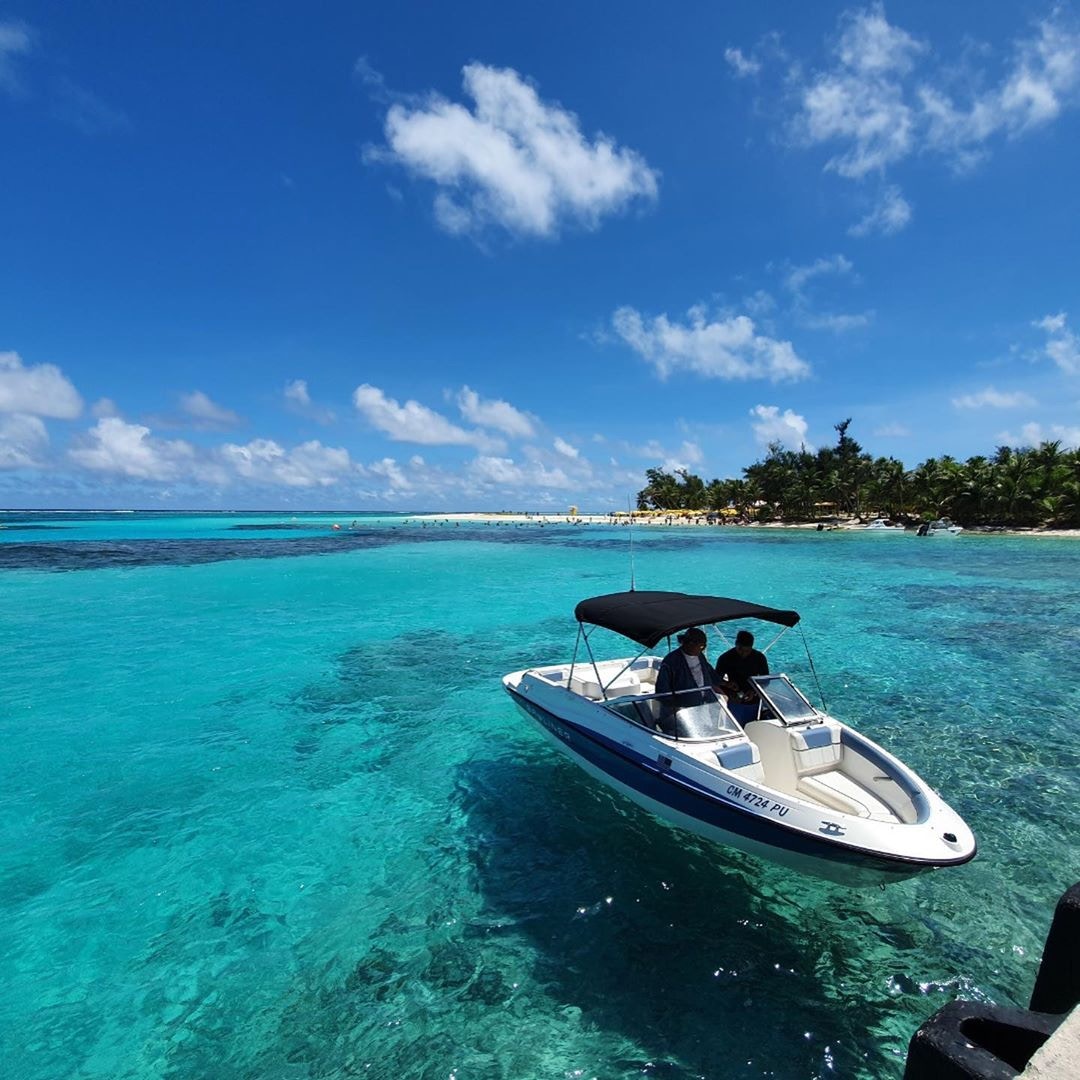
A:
x: 647, y: 617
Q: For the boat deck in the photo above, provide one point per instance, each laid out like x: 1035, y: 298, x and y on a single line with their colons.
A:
x: 836, y: 790
x: 813, y: 767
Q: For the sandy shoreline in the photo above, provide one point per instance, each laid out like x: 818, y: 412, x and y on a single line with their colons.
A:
x: 677, y: 522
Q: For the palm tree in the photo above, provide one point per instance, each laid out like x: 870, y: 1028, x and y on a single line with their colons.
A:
x: 885, y: 487
x: 1022, y: 486
x: 660, y: 493
x: 1016, y: 486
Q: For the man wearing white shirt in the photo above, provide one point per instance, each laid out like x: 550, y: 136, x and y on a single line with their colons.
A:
x: 684, y: 669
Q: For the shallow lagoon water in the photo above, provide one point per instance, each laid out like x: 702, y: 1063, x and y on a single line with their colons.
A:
x: 267, y: 812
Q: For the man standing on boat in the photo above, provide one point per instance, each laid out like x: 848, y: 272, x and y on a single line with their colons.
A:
x: 737, y: 666
x: 683, y: 671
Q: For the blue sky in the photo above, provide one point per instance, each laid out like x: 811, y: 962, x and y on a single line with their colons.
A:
x: 481, y: 256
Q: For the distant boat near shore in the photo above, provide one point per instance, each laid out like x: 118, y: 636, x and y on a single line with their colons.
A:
x: 940, y: 527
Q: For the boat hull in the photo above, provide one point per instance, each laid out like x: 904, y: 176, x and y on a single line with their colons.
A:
x: 739, y: 815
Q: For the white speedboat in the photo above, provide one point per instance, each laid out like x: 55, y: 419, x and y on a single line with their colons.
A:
x: 880, y: 523
x: 789, y: 783
x: 941, y: 527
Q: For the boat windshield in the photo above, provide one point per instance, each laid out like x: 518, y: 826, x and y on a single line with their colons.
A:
x: 687, y: 714
x: 708, y: 720
x: 785, y: 700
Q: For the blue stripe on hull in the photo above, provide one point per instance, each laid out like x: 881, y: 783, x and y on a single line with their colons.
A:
x: 643, y: 777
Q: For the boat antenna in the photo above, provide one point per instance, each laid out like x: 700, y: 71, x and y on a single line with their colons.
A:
x: 630, y: 510
x: 813, y: 670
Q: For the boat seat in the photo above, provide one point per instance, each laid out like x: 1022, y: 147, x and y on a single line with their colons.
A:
x: 741, y: 757
x: 587, y: 686
x: 840, y: 792
x: 646, y: 674
x: 738, y: 755
x: 817, y: 748
x: 790, y: 754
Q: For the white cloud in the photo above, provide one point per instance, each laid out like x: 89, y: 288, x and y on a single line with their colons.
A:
x: 772, y: 426
x: 994, y: 399
x: 298, y: 400
x: 371, y: 78
x: 892, y: 431
x: 860, y: 101
x: 114, y: 446
x: 15, y: 41
x: 891, y: 214
x: 208, y: 413
x: 1062, y: 346
x: 308, y: 465
x: 692, y: 452
x: 870, y: 46
x: 838, y: 324
x: 1035, y: 434
x: 104, y: 407
x: 727, y: 348
x: 760, y: 303
x: 1052, y: 324
x: 297, y: 392
x: 413, y: 422
x: 800, y: 276
x: 688, y: 456
x: 22, y: 441
x: 539, y: 476
x: 531, y: 478
x: 39, y: 391
x: 652, y: 450
x: 500, y: 415
x: 884, y: 97
x: 495, y: 470
x: 391, y: 472
x: 1042, y: 80
x: 798, y: 280
x: 512, y: 160
x: 131, y: 450
x: 742, y: 65
x: 544, y: 477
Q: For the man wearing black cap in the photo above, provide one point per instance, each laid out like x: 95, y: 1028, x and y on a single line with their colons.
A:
x: 736, y: 667
x: 682, y: 671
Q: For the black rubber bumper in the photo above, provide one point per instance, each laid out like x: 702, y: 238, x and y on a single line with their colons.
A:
x: 969, y: 1040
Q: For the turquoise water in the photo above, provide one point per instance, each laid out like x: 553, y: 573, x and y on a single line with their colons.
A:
x: 267, y: 812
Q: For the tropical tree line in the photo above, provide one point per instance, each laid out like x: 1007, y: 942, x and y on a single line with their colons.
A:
x: 1014, y: 487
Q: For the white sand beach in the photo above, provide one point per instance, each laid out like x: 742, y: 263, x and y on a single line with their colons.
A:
x: 653, y: 519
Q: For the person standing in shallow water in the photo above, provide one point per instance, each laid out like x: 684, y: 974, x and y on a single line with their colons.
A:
x: 736, y: 667
x: 684, y: 669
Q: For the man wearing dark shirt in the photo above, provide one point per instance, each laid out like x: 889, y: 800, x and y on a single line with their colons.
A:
x: 735, y: 668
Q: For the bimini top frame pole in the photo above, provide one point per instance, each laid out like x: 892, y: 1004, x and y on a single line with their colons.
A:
x: 583, y: 635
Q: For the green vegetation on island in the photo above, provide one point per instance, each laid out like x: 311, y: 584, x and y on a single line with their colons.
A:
x: 1024, y: 487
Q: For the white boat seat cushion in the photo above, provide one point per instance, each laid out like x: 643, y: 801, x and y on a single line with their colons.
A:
x: 738, y: 755
x: 816, y: 748
x: 841, y: 792
x: 790, y: 754
x: 742, y: 757
x: 587, y: 686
